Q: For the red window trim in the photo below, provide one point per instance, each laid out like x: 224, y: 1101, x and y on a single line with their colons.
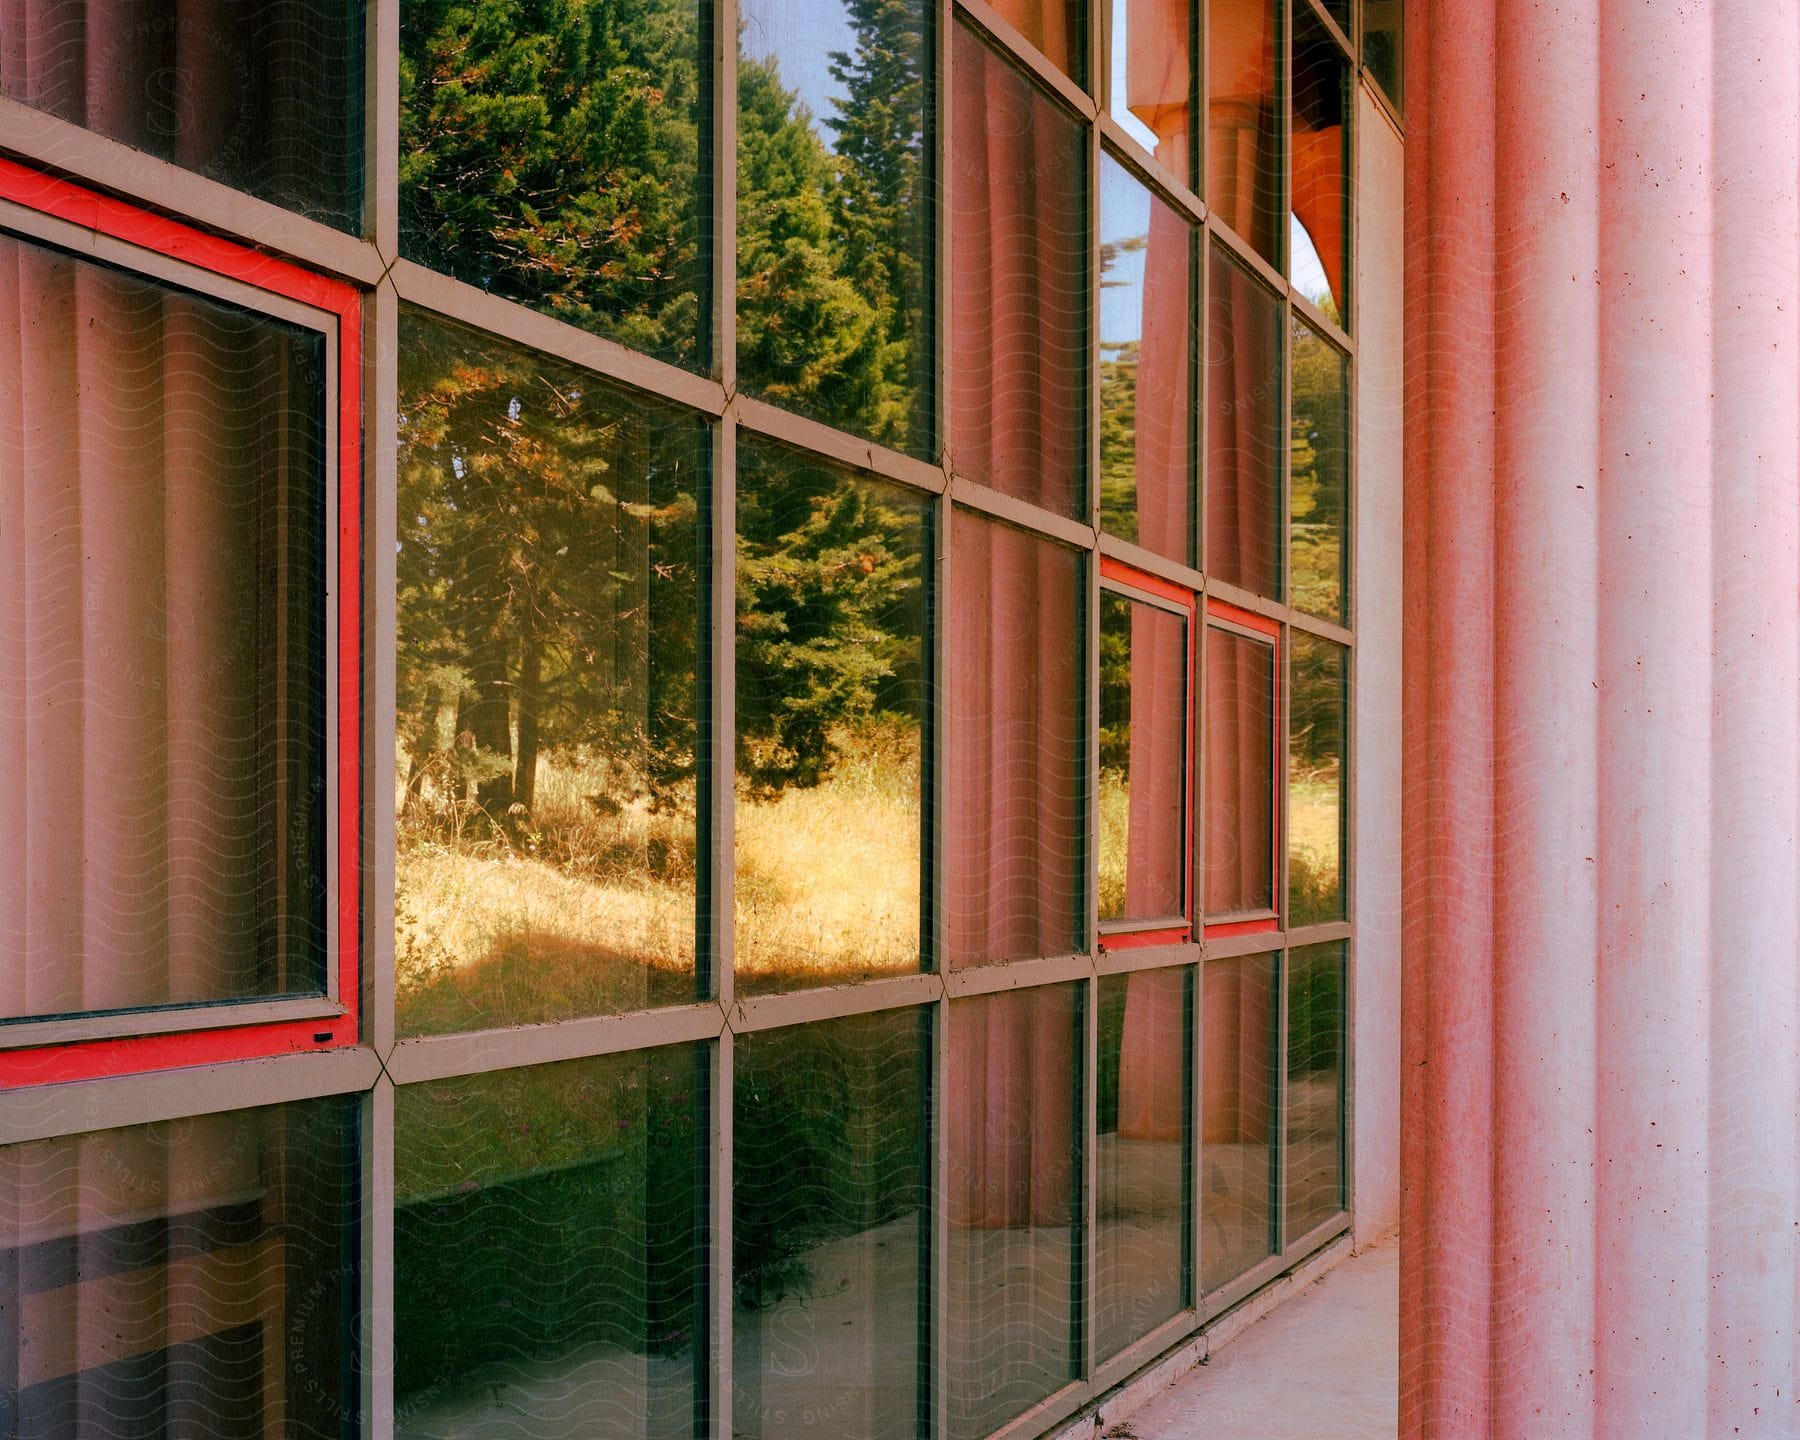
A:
x: 1270, y: 629
x: 1145, y: 583
x: 88, y: 1059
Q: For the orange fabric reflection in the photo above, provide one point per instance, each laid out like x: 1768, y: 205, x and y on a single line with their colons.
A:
x: 1158, y: 82
x: 1242, y: 123
x: 1161, y: 436
x: 1317, y: 142
x: 1243, y: 401
x: 1054, y: 26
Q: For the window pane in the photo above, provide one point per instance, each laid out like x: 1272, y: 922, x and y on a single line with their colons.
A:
x: 1237, y: 1118
x: 1143, y: 760
x: 1243, y: 429
x: 1315, y: 1087
x: 196, y: 1277
x: 1243, y: 123
x: 1381, y: 46
x: 549, y: 571
x: 834, y: 226
x: 1316, y: 715
x: 1150, y: 90
x: 1140, y: 1246
x: 547, y: 1260
x: 1057, y: 27
x: 552, y: 154
x: 831, y: 700
x: 828, y: 1244
x: 1320, y: 475
x: 1014, y: 1197
x: 1014, y: 863
x: 263, y: 95
x: 1146, y: 440
x: 1019, y: 303
x: 162, y: 644
x: 1319, y: 221
x: 1240, y: 773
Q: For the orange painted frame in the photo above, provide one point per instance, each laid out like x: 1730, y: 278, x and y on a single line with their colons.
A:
x: 86, y: 1059
x: 1152, y: 585
x: 1261, y: 625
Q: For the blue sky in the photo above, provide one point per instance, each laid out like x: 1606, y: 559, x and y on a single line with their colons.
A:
x: 800, y: 34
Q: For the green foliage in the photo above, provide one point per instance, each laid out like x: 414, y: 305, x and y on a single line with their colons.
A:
x: 550, y: 535
x: 1318, y: 447
x: 1118, y: 412
x: 808, y: 337
x: 550, y: 151
x: 1115, y: 682
x: 548, y: 567
x: 830, y: 264
x: 830, y: 622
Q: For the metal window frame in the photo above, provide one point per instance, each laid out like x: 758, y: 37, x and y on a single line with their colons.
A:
x: 100, y: 229
x: 373, y: 269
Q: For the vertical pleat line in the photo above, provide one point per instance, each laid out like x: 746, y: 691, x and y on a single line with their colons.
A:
x: 123, y: 823
x: 215, y: 392
x: 1655, y: 643
x: 55, y: 699
x: 1448, y: 708
x: 1546, y: 860
x: 15, y: 934
x: 1754, y: 1115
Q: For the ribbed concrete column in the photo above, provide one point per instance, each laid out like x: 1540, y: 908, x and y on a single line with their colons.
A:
x: 1601, y: 1153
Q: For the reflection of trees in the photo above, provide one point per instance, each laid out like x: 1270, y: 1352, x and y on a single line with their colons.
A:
x: 550, y: 151
x: 830, y: 612
x: 1319, y: 457
x: 1118, y: 409
x: 548, y: 567
x: 548, y: 551
x: 831, y: 244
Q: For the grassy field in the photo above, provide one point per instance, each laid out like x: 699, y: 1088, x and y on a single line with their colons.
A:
x: 589, y: 907
x: 1314, y: 846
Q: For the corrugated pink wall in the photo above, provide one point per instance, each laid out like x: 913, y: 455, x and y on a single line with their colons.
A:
x: 1601, y: 1217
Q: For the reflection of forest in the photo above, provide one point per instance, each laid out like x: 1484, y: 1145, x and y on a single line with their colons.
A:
x: 552, y: 535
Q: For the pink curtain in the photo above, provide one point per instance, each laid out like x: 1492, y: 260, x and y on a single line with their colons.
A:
x: 1243, y: 428
x: 1011, y: 1109
x: 257, y: 93
x: 142, y: 649
x: 117, y: 1252
x: 1019, y: 317
x: 1156, y: 853
x: 1163, y: 433
x: 1152, y: 1076
x: 1240, y: 773
x: 1016, y: 814
x: 148, y: 1276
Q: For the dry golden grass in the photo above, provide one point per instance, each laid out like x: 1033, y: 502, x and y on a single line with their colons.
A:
x: 1314, y: 845
x: 828, y: 879
x: 590, y: 909
x: 1115, y: 831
